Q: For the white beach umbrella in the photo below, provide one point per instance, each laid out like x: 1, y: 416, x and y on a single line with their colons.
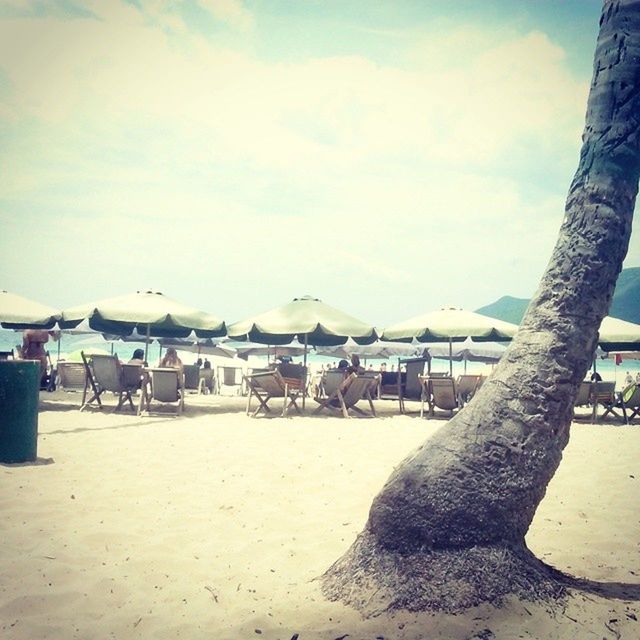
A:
x: 17, y: 312
x: 450, y: 325
x: 618, y: 335
x: 378, y: 350
x: 150, y: 313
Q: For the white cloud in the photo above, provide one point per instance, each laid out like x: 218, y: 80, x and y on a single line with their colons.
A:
x: 231, y: 12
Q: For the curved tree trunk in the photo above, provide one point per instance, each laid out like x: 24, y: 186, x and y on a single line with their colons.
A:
x: 447, y: 530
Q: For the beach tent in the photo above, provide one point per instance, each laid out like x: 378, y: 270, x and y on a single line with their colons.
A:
x: 307, y: 319
x: 150, y: 313
x: 17, y: 312
x: 450, y: 325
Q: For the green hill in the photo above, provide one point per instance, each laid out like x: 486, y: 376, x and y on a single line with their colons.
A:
x: 625, y: 304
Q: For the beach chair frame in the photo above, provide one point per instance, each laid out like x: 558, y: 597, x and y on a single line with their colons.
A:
x: 105, y: 373
x: 353, y: 388
x: 439, y: 392
x: 162, y: 384
x: 265, y: 385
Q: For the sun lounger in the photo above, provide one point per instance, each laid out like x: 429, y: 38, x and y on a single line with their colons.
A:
x: 603, y: 394
x: 162, y: 384
x: 72, y: 376
x: 349, y: 392
x: 266, y: 385
x: 630, y: 402
x: 438, y: 392
x: 410, y: 388
x: 191, y: 377
x: 466, y: 386
x: 230, y: 377
x: 207, y: 382
x: 105, y: 373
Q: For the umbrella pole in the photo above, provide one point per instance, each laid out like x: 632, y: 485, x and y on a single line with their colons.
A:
x: 451, y: 357
x: 304, y: 383
x: 146, y: 343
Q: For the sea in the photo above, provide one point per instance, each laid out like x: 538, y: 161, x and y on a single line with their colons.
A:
x: 70, y: 343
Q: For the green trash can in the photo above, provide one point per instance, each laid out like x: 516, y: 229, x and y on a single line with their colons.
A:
x: 19, y: 391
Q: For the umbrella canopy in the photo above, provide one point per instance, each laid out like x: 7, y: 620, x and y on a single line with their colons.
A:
x: 150, y: 313
x: 17, y: 312
x: 378, y: 350
x: 246, y: 349
x: 468, y: 351
x: 309, y: 320
x: 450, y: 325
x: 619, y: 335
x: 202, y: 346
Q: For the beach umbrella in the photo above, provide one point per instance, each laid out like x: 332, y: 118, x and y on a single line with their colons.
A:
x: 450, y: 325
x: 307, y: 319
x: 150, y: 313
x: 467, y: 351
x: 378, y: 350
x: 618, y: 335
x: 200, y: 346
x: 246, y: 349
x: 17, y: 312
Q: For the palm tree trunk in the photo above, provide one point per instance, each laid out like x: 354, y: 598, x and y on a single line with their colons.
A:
x: 447, y: 530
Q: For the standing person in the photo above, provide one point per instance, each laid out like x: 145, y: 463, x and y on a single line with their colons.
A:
x: 33, y: 341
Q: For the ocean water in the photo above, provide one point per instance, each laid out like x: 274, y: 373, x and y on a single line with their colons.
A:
x: 69, y: 343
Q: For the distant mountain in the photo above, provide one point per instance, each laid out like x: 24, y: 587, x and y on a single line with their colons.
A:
x: 625, y: 304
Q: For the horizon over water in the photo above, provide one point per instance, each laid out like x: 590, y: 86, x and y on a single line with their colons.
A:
x: 69, y: 342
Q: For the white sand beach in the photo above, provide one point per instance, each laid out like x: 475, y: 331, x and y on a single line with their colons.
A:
x: 214, y: 525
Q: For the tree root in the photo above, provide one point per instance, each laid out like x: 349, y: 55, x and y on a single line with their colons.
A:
x: 374, y: 580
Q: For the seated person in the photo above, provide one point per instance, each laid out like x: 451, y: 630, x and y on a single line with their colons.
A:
x: 172, y: 361
x: 355, y: 366
x: 138, y: 358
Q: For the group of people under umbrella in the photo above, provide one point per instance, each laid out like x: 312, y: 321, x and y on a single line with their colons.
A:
x: 307, y: 320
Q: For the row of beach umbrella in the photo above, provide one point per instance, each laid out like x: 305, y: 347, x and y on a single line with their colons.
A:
x: 307, y: 320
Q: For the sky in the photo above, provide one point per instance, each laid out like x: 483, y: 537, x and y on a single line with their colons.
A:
x: 389, y: 157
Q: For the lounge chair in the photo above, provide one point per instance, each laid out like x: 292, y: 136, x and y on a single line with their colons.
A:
x: 163, y: 384
x: 603, y: 394
x: 105, y: 373
x: 266, y: 385
x: 230, y: 377
x: 191, y: 377
x: 630, y: 402
x: 410, y: 388
x: 583, y: 399
x: 438, y: 393
x: 466, y: 386
x: 331, y: 380
x: 207, y: 382
x: 349, y: 392
x: 72, y: 376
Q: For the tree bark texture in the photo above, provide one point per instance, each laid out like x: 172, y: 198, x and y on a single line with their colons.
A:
x: 447, y: 530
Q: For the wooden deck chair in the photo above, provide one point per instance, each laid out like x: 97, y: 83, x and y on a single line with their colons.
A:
x: 72, y: 376
x: 266, y: 385
x: 584, y: 394
x: 230, y: 377
x: 603, y: 393
x: 350, y: 391
x: 207, y: 382
x: 630, y: 401
x: 294, y: 374
x: 191, y: 377
x: 163, y: 384
x: 443, y: 395
x: 105, y: 373
x: 332, y: 380
x: 466, y: 386
x: 411, y: 388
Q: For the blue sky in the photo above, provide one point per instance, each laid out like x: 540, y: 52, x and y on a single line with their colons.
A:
x: 388, y: 157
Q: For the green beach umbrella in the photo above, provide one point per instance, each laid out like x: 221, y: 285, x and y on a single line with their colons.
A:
x: 150, y: 313
x: 451, y: 325
x: 17, y: 312
x: 309, y: 320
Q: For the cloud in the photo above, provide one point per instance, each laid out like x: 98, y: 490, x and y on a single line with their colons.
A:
x: 231, y: 12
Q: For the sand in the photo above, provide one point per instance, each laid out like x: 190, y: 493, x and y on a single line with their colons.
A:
x: 214, y: 525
